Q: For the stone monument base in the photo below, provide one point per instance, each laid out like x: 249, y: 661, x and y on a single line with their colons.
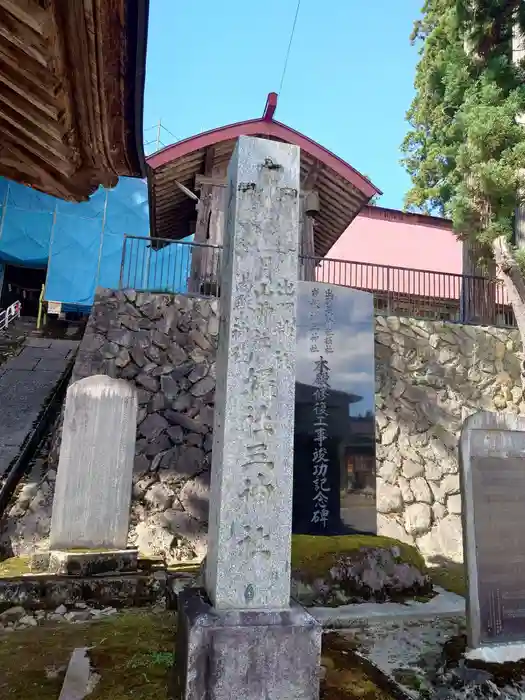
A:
x: 85, y: 563
x: 248, y: 654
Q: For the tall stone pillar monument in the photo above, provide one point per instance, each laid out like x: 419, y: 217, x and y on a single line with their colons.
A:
x: 240, y: 637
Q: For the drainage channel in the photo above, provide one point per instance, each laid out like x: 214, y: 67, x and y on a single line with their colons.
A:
x: 47, y: 416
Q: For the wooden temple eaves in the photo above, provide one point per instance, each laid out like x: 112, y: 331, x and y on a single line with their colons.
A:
x: 200, y: 162
x: 71, y: 93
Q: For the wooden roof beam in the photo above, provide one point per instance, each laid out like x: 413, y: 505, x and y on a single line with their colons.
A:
x: 209, y: 156
x: 310, y: 178
x: 58, y: 161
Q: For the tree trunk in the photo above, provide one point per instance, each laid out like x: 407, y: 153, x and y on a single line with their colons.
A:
x: 515, y: 284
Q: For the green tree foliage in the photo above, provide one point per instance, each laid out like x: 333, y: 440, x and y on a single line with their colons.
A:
x: 465, y: 147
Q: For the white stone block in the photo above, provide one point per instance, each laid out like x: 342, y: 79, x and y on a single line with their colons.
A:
x: 248, y: 562
x: 93, y: 486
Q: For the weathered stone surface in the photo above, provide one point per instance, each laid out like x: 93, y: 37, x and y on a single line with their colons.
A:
x: 159, y: 444
x: 93, y: 486
x: 216, y: 649
x: 391, y: 527
x: 175, y: 434
x: 412, y: 469
x: 421, y: 490
x: 406, y: 492
x: 200, y: 340
x: 247, y: 565
x: 444, y: 537
x: 149, y: 383
x: 152, y: 426
x: 418, y: 517
x: 184, y: 421
x: 191, y: 460
x: 88, y: 563
x: 430, y: 376
x: 169, y: 387
x: 202, y: 387
x: 159, y: 496
x: 389, y: 499
x: 454, y: 504
x: 194, y: 497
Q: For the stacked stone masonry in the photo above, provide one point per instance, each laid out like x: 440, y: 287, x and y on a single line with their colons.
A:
x: 166, y: 346
x: 429, y: 377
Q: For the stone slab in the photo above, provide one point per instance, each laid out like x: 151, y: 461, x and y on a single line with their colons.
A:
x: 92, y: 500
x: 7, y: 454
x: 248, y: 561
x: 443, y: 605
x: 23, y: 362
x: 41, y: 353
x: 76, y: 682
x: 256, y: 655
x: 65, y: 345
x: 23, y: 392
x: 50, y: 364
x: 38, y: 342
x: 85, y: 563
x: 492, y: 466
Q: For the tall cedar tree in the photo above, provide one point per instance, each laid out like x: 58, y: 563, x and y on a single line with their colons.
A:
x: 465, y: 151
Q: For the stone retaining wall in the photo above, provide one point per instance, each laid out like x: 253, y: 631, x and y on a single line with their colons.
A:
x: 166, y: 346
x: 429, y: 377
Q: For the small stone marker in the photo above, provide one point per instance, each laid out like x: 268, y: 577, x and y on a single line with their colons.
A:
x: 249, y: 643
x: 492, y: 464
x: 79, y: 681
x: 92, y: 499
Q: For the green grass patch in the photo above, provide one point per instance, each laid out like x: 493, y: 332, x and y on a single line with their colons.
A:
x: 450, y: 576
x: 132, y: 652
x: 15, y: 566
x: 186, y: 568
x: 345, y: 677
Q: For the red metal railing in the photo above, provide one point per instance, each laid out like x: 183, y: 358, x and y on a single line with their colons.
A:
x: 176, y: 267
x: 419, y: 293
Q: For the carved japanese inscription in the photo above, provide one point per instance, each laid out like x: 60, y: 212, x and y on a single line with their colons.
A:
x: 334, y: 455
x: 251, y: 500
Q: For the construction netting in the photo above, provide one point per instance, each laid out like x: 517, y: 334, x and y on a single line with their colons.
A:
x: 80, y: 244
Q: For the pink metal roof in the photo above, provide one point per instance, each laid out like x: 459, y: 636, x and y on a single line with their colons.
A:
x: 265, y: 126
x: 342, y: 190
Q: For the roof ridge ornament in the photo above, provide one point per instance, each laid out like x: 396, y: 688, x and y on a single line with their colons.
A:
x: 270, y: 107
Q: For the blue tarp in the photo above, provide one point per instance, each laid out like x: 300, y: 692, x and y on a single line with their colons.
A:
x: 82, y: 244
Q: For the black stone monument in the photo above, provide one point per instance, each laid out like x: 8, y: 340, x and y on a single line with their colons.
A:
x: 334, y: 446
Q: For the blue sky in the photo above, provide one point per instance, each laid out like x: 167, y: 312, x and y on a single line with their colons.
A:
x: 348, y: 84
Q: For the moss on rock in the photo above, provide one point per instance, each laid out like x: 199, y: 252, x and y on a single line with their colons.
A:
x: 333, y: 571
x: 314, y: 555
